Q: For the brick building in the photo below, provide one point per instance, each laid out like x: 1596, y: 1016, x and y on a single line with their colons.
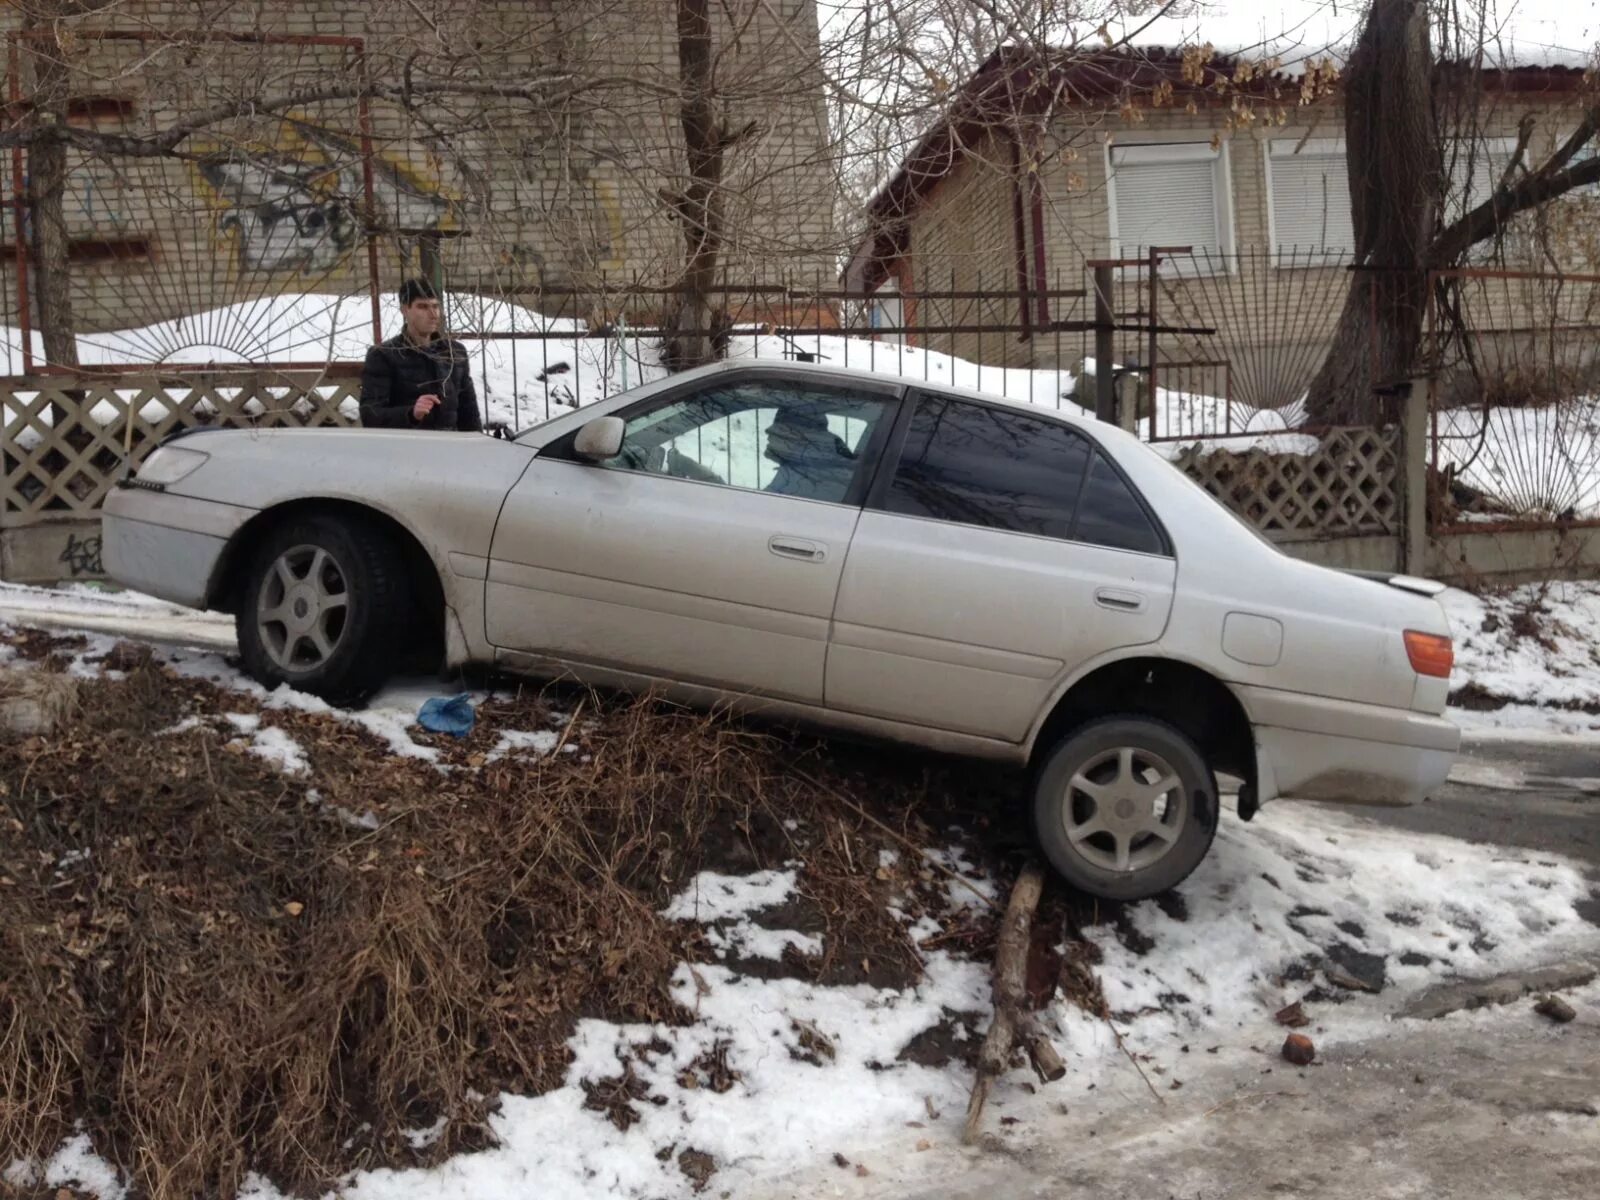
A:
x: 1037, y: 173
x: 559, y: 187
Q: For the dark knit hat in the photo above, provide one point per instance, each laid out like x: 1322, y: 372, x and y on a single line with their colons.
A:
x: 413, y: 290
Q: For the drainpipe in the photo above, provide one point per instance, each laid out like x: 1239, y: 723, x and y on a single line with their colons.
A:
x: 1036, y: 190
x: 1019, y: 231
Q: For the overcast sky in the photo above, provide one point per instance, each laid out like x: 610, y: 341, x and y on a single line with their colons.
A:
x: 1563, y: 31
x: 1527, y: 30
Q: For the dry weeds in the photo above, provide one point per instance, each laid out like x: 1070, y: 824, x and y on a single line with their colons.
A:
x: 216, y: 970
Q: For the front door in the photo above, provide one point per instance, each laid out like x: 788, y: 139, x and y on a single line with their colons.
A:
x: 1001, y: 552
x: 709, y: 551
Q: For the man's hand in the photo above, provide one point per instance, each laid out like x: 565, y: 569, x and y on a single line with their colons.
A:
x: 424, y: 406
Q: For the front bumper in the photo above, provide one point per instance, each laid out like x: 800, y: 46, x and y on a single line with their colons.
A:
x: 167, y: 546
x: 1313, y: 748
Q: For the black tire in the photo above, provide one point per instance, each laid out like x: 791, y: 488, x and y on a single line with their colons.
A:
x: 1131, y: 860
x: 361, y: 641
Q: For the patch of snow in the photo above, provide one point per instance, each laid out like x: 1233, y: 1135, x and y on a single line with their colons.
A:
x: 1299, y: 445
x: 74, y: 1165
x: 1300, y: 884
x: 517, y: 741
x: 421, y: 1139
x: 390, y: 725
x: 184, y: 726
x: 84, y: 599
x: 745, y: 939
x: 1526, y: 723
x: 278, y: 748
x: 971, y: 888
x: 243, y: 722
x: 1537, y: 647
x: 781, y: 1113
x: 717, y: 897
x: 368, y: 821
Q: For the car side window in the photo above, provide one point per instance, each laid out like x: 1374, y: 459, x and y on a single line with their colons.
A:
x: 979, y: 465
x: 985, y: 466
x: 1109, y: 514
x: 788, y: 437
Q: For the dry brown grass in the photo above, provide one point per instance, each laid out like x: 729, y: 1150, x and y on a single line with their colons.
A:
x: 235, y: 977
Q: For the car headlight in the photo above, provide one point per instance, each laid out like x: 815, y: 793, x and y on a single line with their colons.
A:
x: 170, y: 464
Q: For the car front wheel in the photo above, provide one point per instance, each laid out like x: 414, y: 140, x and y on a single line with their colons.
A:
x: 1125, y: 807
x: 320, y: 608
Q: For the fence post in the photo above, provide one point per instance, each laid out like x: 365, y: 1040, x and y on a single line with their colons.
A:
x: 1414, y: 476
x: 1105, y: 396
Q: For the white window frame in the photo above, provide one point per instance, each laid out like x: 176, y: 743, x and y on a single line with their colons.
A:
x: 1486, y: 145
x: 1309, y: 146
x: 1156, y: 152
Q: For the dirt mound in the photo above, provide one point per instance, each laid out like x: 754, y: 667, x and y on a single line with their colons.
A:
x: 218, y: 967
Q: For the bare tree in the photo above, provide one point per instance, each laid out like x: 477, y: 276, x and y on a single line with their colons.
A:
x: 1407, y: 117
x: 699, y: 205
x: 706, y: 157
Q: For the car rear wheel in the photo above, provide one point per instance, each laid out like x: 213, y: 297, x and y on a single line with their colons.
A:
x: 1125, y: 807
x: 321, y: 608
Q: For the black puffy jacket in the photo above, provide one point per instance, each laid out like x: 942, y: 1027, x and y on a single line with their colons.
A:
x: 398, y: 372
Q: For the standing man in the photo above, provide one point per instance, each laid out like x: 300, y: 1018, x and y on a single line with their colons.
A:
x: 419, y: 379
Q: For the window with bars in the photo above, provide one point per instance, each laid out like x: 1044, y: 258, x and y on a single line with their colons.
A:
x: 1308, y: 201
x: 1171, y: 194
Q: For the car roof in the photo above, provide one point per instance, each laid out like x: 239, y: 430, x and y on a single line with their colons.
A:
x: 1071, y: 413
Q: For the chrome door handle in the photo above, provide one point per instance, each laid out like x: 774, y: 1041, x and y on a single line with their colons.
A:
x: 1120, y: 601
x: 797, y: 548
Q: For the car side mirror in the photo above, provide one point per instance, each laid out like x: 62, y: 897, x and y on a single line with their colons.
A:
x: 600, y: 439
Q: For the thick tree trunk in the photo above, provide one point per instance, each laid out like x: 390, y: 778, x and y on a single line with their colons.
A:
x: 699, y: 206
x: 1396, y: 191
x: 47, y: 190
x: 52, y: 266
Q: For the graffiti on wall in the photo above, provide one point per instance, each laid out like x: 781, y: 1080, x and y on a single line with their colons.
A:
x: 295, y: 206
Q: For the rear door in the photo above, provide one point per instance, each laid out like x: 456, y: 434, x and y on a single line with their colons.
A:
x: 999, y: 551
x: 710, y: 550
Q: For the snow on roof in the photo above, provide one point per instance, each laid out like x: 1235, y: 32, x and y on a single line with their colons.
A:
x: 1517, y: 33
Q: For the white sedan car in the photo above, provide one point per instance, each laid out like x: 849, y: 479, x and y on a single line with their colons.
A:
x: 847, y: 550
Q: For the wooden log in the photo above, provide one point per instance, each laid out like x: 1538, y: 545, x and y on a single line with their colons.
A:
x: 1012, y: 1020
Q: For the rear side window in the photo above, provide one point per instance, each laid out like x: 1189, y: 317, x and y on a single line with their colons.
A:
x: 1109, y: 514
x: 985, y: 466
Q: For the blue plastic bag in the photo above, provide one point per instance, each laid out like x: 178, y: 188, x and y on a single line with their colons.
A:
x: 453, y: 715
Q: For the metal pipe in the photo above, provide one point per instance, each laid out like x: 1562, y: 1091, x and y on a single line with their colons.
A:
x: 1105, y: 396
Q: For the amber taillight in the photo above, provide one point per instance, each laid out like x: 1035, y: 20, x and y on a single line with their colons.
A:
x: 1430, y: 654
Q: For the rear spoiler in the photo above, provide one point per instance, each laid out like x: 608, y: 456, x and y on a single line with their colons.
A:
x: 1406, y: 583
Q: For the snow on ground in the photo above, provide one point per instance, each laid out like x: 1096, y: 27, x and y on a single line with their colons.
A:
x: 74, y: 1165
x: 1535, y: 652
x: 1290, y: 907
x: 716, y: 897
x: 1303, y: 892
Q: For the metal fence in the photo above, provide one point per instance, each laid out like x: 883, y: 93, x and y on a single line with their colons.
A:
x: 1514, y: 363
x: 540, y: 352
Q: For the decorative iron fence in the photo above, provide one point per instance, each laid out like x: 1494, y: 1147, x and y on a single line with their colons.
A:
x: 1514, y: 363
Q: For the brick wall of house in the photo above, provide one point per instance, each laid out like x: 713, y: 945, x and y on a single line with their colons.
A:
x: 526, y: 201
x: 1269, y: 317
